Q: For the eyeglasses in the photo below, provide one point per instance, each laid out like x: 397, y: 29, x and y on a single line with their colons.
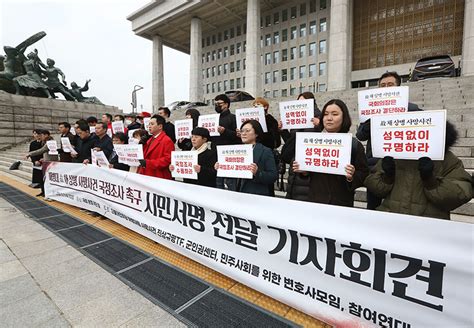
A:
x: 219, y: 103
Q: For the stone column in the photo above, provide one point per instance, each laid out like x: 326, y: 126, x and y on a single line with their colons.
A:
x: 340, y: 50
x: 158, y: 88
x: 253, y: 77
x: 195, y: 74
x: 467, y: 68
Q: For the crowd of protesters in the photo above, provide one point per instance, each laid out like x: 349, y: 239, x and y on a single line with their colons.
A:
x: 421, y: 187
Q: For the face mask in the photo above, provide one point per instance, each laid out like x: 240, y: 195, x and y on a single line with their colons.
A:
x: 128, y: 122
x: 140, y: 121
x: 218, y: 109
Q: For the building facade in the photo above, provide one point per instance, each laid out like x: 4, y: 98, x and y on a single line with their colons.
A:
x: 282, y: 48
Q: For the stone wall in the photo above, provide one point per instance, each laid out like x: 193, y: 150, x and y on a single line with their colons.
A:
x: 19, y: 115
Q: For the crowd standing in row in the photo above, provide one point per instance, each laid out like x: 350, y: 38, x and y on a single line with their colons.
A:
x: 424, y: 187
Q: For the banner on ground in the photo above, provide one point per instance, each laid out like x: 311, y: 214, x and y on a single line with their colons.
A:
x: 129, y: 154
x: 381, y: 101
x: 348, y: 267
x: 234, y: 161
x: 183, y: 162
x: 210, y: 122
x: 117, y: 126
x: 297, y: 114
x: 409, y: 135
x: 245, y: 114
x: 323, y: 152
x: 183, y: 128
x: 53, y: 147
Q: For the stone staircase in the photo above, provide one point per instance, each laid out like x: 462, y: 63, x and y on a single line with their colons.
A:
x: 456, y: 95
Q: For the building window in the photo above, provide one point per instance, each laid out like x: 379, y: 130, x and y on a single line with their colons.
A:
x: 268, y: 39
x: 213, y: 87
x: 245, y: 45
x: 267, y: 77
x: 322, y: 4
x: 226, y: 35
x: 293, y: 12
x: 322, y: 46
x: 243, y: 63
x: 292, y: 53
x: 266, y: 94
x: 243, y: 82
x: 232, y: 85
x: 268, y: 58
x: 208, y: 71
x: 232, y: 67
x: 237, y: 82
x: 268, y: 21
x: 322, y: 25
x: 312, y: 70
x: 322, y: 68
x: 302, y: 72
x: 225, y: 85
x: 302, y: 50
x: 207, y: 88
x: 238, y: 30
x: 219, y: 70
x: 232, y: 32
x: 276, y: 37
x: 237, y: 65
x: 284, y: 75
x: 203, y: 73
x: 292, y: 73
x: 322, y: 87
x: 276, y: 57
x: 208, y: 41
x: 226, y: 52
x: 219, y: 37
x: 312, y: 49
x: 312, y: 6
x: 219, y: 85
x: 276, y: 18
x: 284, y: 35
x: 213, y: 71
x: 303, y: 9
x: 208, y: 57
x: 284, y: 55
x: 214, y: 55
x: 284, y: 15
x: 213, y: 39
x: 293, y: 91
x: 312, y: 27
x: 275, y: 76
x: 302, y: 30
x: 219, y: 53
x: 293, y: 33
x: 238, y: 48
x: 226, y: 68
x: 275, y: 93
x: 232, y: 49
x: 284, y: 92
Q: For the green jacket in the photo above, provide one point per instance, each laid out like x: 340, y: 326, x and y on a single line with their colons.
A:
x: 407, y: 194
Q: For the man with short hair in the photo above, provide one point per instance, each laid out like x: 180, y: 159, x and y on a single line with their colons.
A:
x: 157, y: 151
x: 65, y: 132
x: 103, y: 142
x: 91, y: 120
x: 169, y: 127
x: 131, y: 122
x: 107, y: 119
x: 85, y: 144
x: 388, y: 79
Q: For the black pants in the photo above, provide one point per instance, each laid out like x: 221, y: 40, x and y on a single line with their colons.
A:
x: 373, y: 201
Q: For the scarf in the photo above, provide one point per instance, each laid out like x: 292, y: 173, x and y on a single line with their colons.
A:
x: 202, y: 149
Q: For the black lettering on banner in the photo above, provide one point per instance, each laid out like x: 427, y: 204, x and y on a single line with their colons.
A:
x: 246, y: 231
x: 381, y: 319
x: 134, y: 195
x: 111, y: 189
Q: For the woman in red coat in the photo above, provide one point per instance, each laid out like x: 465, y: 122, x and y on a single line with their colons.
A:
x: 157, y: 151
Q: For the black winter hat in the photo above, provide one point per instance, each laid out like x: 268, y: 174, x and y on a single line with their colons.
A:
x: 203, y: 132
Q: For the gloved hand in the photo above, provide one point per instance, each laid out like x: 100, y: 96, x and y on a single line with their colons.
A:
x: 425, y: 166
x: 142, y: 162
x: 388, y: 166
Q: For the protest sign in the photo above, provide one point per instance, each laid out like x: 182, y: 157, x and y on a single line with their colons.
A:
x: 345, y: 266
x: 297, y: 114
x: 234, y: 161
x: 53, y: 147
x: 183, y: 162
x: 183, y: 128
x: 409, y: 135
x: 323, y: 152
x: 98, y: 158
x: 210, y: 122
x: 381, y: 101
x: 245, y: 114
x: 92, y: 129
x: 129, y: 154
x: 117, y: 126
x: 146, y: 122
x: 66, y: 146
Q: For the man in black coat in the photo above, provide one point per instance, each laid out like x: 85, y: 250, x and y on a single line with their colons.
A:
x: 65, y: 131
x: 85, y: 144
x: 37, y: 177
x: 168, y: 127
x: 103, y: 141
x: 388, y: 79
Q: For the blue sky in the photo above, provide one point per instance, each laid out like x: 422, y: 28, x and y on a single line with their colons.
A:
x: 93, y: 39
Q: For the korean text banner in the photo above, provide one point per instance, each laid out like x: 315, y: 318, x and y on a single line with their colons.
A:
x: 382, y: 101
x: 345, y: 266
x: 410, y: 135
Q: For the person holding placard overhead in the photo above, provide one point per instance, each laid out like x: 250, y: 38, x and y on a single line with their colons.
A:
x: 387, y: 80
x: 337, y: 189
x: 263, y: 168
x: 423, y: 187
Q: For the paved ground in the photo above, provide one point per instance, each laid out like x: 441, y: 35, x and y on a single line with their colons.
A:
x: 44, y: 282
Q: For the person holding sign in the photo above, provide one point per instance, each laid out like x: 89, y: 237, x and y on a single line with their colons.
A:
x: 207, y: 158
x: 85, y: 143
x: 157, y: 151
x: 263, y: 168
x: 118, y: 139
x: 422, y: 187
x: 387, y: 80
x: 65, y: 131
x: 337, y: 189
x: 185, y: 143
x: 103, y: 141
x: 271, y: 138
x: 168, y: 127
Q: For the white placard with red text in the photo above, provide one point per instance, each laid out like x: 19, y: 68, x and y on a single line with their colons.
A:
x: 129, y: 154
x: 323, y: 152
x: 297, y: 114
x: 382, y: 101
x: 52, y: 146
x: 210, y: 122
x: 66, y: 146
x: 234, y: 161
x: 183, y: 162
x: 117, y: 126
x: 245, y: 114
x: 183, y: 128
x: 348, y: 267
x: 409, y: 135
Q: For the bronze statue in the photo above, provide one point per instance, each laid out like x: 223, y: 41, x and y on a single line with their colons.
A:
x: 53, y: 83
x: 76, y: 91
x: 32, y: 78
